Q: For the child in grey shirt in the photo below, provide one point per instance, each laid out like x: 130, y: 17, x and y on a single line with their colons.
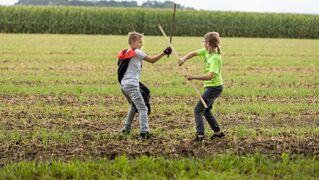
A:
x: 130, y: 82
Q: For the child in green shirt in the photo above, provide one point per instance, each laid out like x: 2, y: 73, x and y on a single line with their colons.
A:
x: 213, y: 83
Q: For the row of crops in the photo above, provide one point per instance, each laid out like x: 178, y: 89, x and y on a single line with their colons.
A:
x: 89, y: 20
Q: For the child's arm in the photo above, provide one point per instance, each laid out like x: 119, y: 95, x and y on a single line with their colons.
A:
x: 154, y: 59
x: 204, y: 77
x: 187, y: 57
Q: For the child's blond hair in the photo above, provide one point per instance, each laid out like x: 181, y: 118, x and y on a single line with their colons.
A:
x: 213, y: 40
x: 133, y: 36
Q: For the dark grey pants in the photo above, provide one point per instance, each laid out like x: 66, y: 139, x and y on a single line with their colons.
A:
x: 210, y: 95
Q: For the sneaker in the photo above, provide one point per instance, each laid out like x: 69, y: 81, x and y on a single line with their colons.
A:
x: 199, y: 138
x: 144, y: 135
x: 126, y: 131
x: 219, y: 134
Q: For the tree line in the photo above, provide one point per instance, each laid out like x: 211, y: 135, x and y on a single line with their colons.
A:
x: 103, y: 3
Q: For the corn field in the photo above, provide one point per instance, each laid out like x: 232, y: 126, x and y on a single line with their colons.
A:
x: 84, y: 20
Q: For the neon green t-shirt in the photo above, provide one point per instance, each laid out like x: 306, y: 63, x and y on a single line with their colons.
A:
x: 213, y: 63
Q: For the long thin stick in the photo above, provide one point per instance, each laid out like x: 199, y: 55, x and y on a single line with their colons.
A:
x: 184, y: 69
x: 173, y: 26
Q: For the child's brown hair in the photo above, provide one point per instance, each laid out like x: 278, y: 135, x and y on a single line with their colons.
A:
x: 213, y: 40
x: 133, y: 36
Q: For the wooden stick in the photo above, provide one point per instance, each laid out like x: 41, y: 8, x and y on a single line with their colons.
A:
x: 183, y: 68
x: 173, y: 26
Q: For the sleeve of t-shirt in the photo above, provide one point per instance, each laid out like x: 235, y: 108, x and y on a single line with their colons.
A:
x: 140, y: 54
x: 201, y: 52
x: 214, y: 66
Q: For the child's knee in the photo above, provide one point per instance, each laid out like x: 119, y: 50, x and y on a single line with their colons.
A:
x: 207, y: 112
x: 198, y: 110
x: 142, y: 108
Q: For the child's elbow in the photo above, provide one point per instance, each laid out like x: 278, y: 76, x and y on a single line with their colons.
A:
x: 210, y: 76
x: 152, y: 61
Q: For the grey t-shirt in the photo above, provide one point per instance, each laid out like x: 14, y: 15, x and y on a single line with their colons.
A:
x: 133, y: 73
